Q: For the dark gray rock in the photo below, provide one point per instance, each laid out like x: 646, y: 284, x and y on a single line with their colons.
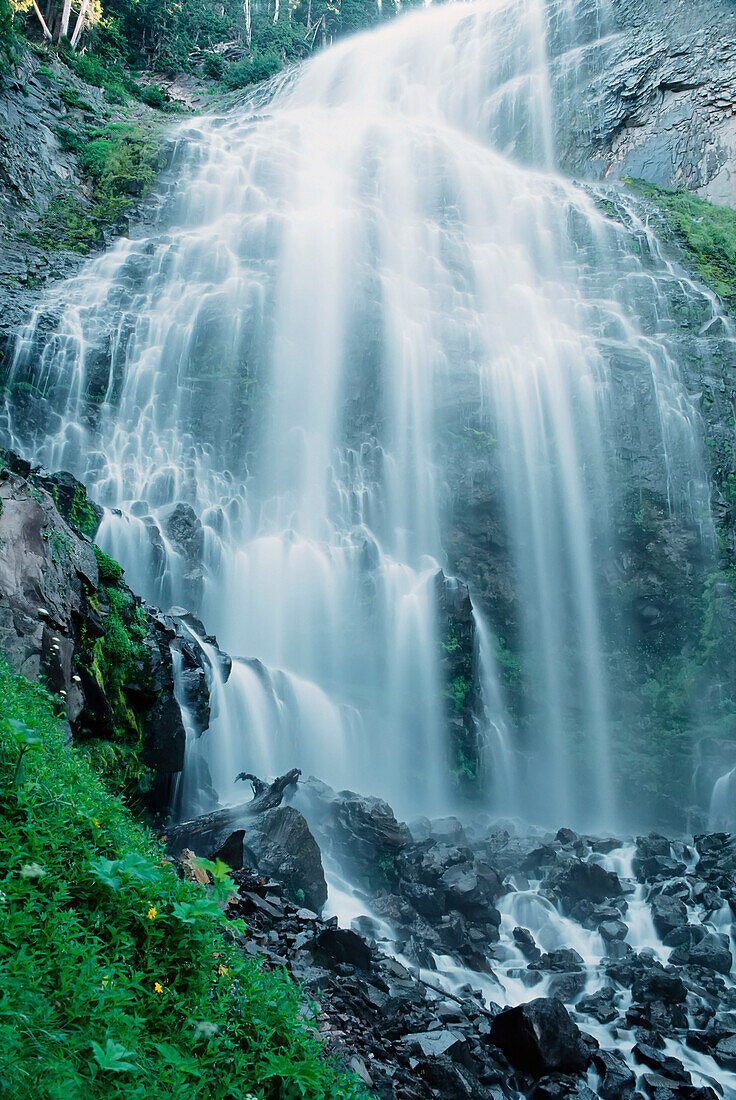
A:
x: 667, y: 913
x: 282, y: 846
x: 583, y: 881
x: 656, y: 984
x: 618, y: 1081
x: 712, y: 953
x: 341, y: 945
x: 539, y: 1038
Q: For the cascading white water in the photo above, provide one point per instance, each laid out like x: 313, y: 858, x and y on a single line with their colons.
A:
x: 331, y: 283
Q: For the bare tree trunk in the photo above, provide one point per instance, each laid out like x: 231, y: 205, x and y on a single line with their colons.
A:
x: 79, y: 25
x: 65, y: 16
x: 246, y: 10
x: 276, y: 12
x: 42, y: 21
x: 309, y: 18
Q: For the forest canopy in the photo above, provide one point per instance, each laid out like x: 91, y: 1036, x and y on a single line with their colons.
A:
x: 237, y: 42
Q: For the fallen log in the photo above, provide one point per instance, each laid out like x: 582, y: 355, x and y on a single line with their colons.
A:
x: 266, y: 797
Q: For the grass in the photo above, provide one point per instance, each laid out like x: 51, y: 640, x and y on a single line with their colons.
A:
x: 706, y: 232
x: 115, y: 979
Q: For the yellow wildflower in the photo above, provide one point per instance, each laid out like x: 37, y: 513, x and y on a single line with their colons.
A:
x: 152, y: 912
x: 158, y: 988
x: 96, y: 823
x: 223, y: 971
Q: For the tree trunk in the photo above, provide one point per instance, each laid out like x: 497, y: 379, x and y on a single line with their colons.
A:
x: 42, y: 21
x: 276, y: 12
x: 79, y: 25
x: 65, y: 16
x: 246, y: 10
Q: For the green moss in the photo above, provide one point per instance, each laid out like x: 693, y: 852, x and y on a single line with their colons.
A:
x: 482, y: 441
x: 115, y: 979
x: 458, y: 691
x: 466, y: 767
x: 122, y: 160
x: 706, y: 232
x: 71, y: 97
x: 110, y: 572
x: 80, y: 513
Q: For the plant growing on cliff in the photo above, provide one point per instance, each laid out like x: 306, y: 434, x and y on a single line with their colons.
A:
x: 104, y: 988
x: 707, y: 233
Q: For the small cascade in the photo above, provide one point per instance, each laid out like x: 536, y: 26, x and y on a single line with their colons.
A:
x: 722, y: 814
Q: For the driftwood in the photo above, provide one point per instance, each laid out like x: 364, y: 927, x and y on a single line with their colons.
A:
x: 266, y: 797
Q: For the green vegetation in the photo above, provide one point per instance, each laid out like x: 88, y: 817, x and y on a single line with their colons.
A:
x: 466, y: 766
x: 706, y: 232
x: 122, y: 160
x: 81, y: 514
x: 259, y: 37
x: 458, y: 691
x: 115, y: 979
x: 7, y: 39
x: 116, y: 659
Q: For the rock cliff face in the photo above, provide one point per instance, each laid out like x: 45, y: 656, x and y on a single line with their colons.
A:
x: 68, y: 620
x: 648, y: 90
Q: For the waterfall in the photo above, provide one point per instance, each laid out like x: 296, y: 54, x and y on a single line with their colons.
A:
x: 375, y: 262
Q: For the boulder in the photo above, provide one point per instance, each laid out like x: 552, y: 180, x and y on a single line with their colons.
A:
x: 668, y: 913
x: 657, y: 984
x: 583, y: 881
x: 600, y: 1005
x: 281, y: 845
x: 540, y: 1038
x: 669, y: 1067
x: 618, y: 1082
x: 725, y: 1053
x: 712, y: 953
x: 341, y: 945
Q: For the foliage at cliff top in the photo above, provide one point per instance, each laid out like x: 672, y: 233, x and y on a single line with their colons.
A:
x: 115, y: 979
x: 237, y: 42
x: 707, y: 233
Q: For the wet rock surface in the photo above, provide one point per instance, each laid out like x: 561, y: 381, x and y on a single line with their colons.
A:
x: 55, y: 614
x: 467, y: 975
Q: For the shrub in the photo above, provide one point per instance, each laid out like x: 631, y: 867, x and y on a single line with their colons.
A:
x: 214, y: 66
x: 110, y: 572
x: 115, y: 979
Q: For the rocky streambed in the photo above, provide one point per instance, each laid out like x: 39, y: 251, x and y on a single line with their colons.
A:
x: 477, y: 959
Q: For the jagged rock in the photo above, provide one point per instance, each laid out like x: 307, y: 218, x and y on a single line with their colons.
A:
x: 662, y: 1063
x: 341, y: 945
x: 51, y: 604
x: 667, y: 913
x: 286, y: 850
x: 362, y: 831
x: 618, y: 1081
x: 539, y: 1037
x: 583, y: 881
x: 657, y: 984
x: 434, y: 1043
x: 599, y: 1005
x: 712, y: 953
x: 725, y: 1053
x: 184, y: 530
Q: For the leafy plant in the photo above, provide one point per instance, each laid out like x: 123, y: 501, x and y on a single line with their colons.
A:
x: 115, y: 978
